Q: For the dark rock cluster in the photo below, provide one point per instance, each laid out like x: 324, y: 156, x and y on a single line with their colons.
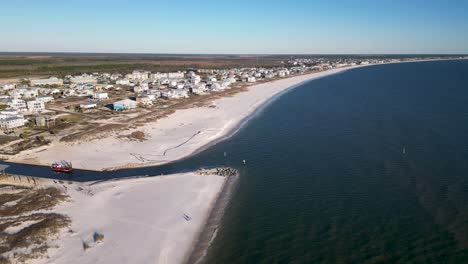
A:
x: 220, y: 171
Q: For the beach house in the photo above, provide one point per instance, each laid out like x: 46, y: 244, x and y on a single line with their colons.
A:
x: 88, y: 105
x: 49, y: 81
x: 199, y: 89
x: 8, y: 86
x: 8, y: 123
x: 82, y: 79
x: 138, y: 76
x: 18, y: 104
x: 125, y: 104
x: 44, y: 121
x: 35, y: 106
x: 178, y: 94
x: 100, y: 96
x: 45, y: 98
x: 144, y: 99
x: 123, y: 82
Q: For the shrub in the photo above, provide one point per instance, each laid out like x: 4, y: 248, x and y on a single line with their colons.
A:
x: 98, y: 237
x: 85, y: 246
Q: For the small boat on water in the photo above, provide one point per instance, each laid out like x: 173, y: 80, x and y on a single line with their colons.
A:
x: 62, y: 166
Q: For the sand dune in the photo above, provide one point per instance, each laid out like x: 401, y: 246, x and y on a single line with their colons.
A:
x: 142, y: 220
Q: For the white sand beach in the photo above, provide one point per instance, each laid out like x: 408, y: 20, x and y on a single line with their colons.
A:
x: 174, y: 137
x: 142, y: 219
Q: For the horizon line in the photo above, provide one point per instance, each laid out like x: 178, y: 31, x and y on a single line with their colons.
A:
x: 235, y: 54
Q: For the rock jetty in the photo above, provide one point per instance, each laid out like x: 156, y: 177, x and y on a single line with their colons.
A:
x: 220, y: 171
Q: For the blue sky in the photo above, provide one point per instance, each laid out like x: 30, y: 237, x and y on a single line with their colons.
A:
x: 233, y: 27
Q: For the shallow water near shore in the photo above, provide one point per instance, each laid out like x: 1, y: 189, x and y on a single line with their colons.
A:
x: 365, y: 166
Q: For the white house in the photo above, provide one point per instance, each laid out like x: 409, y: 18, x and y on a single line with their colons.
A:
x: 125, y: 105
x: 251, y: 79
x: 9, y: 112
x: 100, y: 95
x: 138, y: 76
x: 175, y: 75
x: 169, y: 75
x: 144, y: 99
x: 44, y: 99
x: 140, y: 89
x: 50, y: 81
x: 123, y: 82
x: 85, y: 93
x: 25, y: 93
x: 199, y: 88
x: 8, y: 86
x: 152, y: 97
x: 88, y: 105
x: 155, y: 92
x: 177, y: 94
x: 18, y: 104
x: 195, y: 79
x: 173, y: 84
x: 83, y: 79
x: 216, y: 86
x: 35, y: 106
x: 231, y: 79
x: 11, y: 122
x: 69, y: 92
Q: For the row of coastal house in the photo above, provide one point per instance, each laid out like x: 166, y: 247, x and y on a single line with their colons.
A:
x: 12, y: 115
x: 146, y: 87
x: 17, y: 101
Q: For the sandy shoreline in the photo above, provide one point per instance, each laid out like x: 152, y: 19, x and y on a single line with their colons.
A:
x: 177, y: 136
x: 142, y: 219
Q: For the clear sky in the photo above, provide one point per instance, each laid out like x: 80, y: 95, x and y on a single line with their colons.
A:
x: 235, y: 26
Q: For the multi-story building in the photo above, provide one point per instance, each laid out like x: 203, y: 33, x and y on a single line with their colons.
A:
x: 50, y: 81
x: 44, y: 98
x: 169, y: 75
x: 18, y: 104
x: 83, y: 79
x: 123, y: 82
x: 11, y: 122
x: 100, y: 96
x: 138, y: 76
x: 35, y: 106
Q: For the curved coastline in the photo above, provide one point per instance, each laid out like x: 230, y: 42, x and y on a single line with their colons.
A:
x: 202, y: 140
x: 260, y: 108
x: 213, y: 222
x: 248, y: 116
x: 198, y: 128
x: 257, y: 111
